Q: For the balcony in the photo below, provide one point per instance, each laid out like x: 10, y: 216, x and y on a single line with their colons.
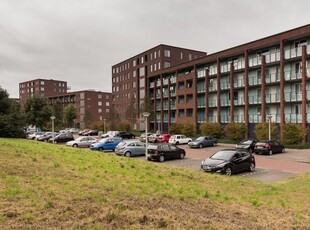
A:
x: 239, y: 83
x: 291, y: 97
x: 255, y: 100
x: 212, y: 118
x: 293, y: 118
x: 212, y: 103
x: 271, y: 78
x: 152, y: 84
x: 213, y: 71
x: 255, y: 61
x: 225, y: 118
x: 239, y: 118
x: 225, y: 85
x: 292, y: 75
x: 225, y: 102
x: 201, y: 104
x: 293, y: 53
x: 272, y: 98
x: 239, y: 101
x: 273, y: 57
x: 173, y: 80
x: 255, y: 81
x: 165, y: 82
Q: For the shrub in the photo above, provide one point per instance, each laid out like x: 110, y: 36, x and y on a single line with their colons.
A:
x: 187, y: 129
x: 212, y: 129
x: 262, y: 131
x: 235, y: 131
x: 293, y: 134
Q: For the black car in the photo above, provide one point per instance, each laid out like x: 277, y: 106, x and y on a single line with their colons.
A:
x: 165, y: 151
x: 126, y: 135
x: 269, y: 147
x: 91, y: 133
x: 248, y: 144
x: 229, y: 161
x: 203, y: 141
x: 62, y: 138
x: 46, y: 136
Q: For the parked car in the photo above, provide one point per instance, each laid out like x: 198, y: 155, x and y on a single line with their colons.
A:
x: 203, y: 141
x: 91, y: 132
x: 82, y: 132
x: 46, y: 136
x: 108, y: 143
x: 33, y: 136
x: 164, y: 151
x: 110, y: 134
x: 61, y: 138
x: 229, y: 161
x: 82, y: 142
x: 269, y: 147
x: 129, y: 149
x: 248, y: 144
x: 126, y: 135
x: 143, y: 139
x: 179, y: 139
x: 159, y: 138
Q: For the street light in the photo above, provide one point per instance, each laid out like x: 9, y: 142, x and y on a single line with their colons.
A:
x: 104, y: 129
x: 53, y: 118
x: 269, y: 124
x: 146, y: 115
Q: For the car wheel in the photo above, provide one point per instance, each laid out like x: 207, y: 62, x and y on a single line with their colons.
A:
x: 55, y: 142
x: 200, y: 146
x: 177, y: 143
x: 148, y: 159
x: 161, y: 158
x: 252, y: 167
x: 182, y: 155
x: 100, y: 149
x: 214, y: 143
x: 228, y: 171
x: 127, y: 154
x: 75, y: 146
x: 270, y: 152
x: 283, y: 150
x: 45, y: 140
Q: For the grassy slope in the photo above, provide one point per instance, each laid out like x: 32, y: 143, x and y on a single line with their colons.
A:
x: 48, y: 186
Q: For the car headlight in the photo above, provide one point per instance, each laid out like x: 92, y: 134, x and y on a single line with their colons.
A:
x: 222, y: 165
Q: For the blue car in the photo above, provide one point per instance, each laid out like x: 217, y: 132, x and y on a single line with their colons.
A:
x: 108, y: 143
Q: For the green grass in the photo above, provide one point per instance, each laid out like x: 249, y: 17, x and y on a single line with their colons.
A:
x: 49, y: 186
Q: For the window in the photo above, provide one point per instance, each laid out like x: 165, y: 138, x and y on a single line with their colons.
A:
x: 181, y: 112
x: 99, y: 103
x: 107, y: 103
x: 155, y: 67
x: 181, y: 55
x: 167, y: 53
x: 142, y: 72
x: 167, y: 64
x: 158, y: 65
x: 42, y: 82
x: 134, y: 73
x: 99, y: 96
x: 181, y: 85
x: 99, y: 110
x: 134, y: 63
x: 189, y: 112
x: 142, y: 82
x: 190, y: 57
x: 142, y: 60
x: 181, y: 99
x: 82, y: 95
x: 107, y: 97
x: 155, y: 55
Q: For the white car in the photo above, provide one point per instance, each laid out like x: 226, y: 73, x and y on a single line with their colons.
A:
x: 179, y: 139
x: 110, y: 134
x: 81, y: 142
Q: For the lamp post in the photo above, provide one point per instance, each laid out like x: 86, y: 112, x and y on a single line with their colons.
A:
x: 53, y: 118
x: 269, y: 125
x: 104, y: 129
x: 146, y: 115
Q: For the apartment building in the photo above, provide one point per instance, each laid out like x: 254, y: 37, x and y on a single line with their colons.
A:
x: 130, y: 78
x: 91, y: 105
x: 264, y: 79
x: 41, y: 87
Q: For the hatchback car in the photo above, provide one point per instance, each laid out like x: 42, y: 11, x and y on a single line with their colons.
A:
x: 142, y: 137
x: 61, y: 138
x: 82, y: 142
x: 248, y: 144
x: 129, y: 149
x: 203, y: 141
x: 229, y: 161
x: 179, y: 139
x: 108, y: 143
x: 269, y: 147
x: 162, y: 152
x: 127, y: 135
x: 46, y: 136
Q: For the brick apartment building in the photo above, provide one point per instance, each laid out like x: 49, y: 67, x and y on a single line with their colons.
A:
x: 91, y: 105
x: 269, y: 77
x: 130, y: 77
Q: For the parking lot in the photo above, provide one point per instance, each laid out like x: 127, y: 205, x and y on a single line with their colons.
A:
x: 268, y: 168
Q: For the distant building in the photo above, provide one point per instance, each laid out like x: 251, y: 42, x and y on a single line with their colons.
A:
x: 91, y: 105
x: 251, y: 83
x: 42, y: 88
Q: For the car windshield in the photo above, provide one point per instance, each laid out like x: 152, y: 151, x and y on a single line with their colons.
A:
x: 223, y: 155
x: 199, y: 138
x: 246, y: 142
x: 121, y: 143
x: 152, y: 147
x: 103, y: 140
x: 261, y: 143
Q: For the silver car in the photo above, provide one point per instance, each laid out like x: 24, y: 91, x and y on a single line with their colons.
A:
x: 82, y: 142
x: 129, y: 149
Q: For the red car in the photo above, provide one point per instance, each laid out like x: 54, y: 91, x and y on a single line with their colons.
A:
x: 165, y: 138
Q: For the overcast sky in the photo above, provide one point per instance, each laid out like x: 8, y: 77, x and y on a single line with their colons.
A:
x: 79, y: 40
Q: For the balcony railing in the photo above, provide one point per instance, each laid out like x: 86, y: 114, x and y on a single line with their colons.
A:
x: 173, y: 80
x: 201, y: 104
x: 225, y: 102
x: 292, y: 75
x: 293, y: 118
x: 239, y: 101
x: 289, y: 96
x: 255, y: 100
x: 272, y: 57
x: 293, y: 53
x: 255, y: 81
x: 273, y: 77
x: 212, y: 118
x: 152, y: 84
x: 255, y: 61
x: 239, y: 118
x: 212, y: 88
x: 225, y: 118
x: 212, y: 103
x: 165, y: 82
x: 239, y: 83
x: 272, y: 98
x: 225, y: 85
x: 213, y: 71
